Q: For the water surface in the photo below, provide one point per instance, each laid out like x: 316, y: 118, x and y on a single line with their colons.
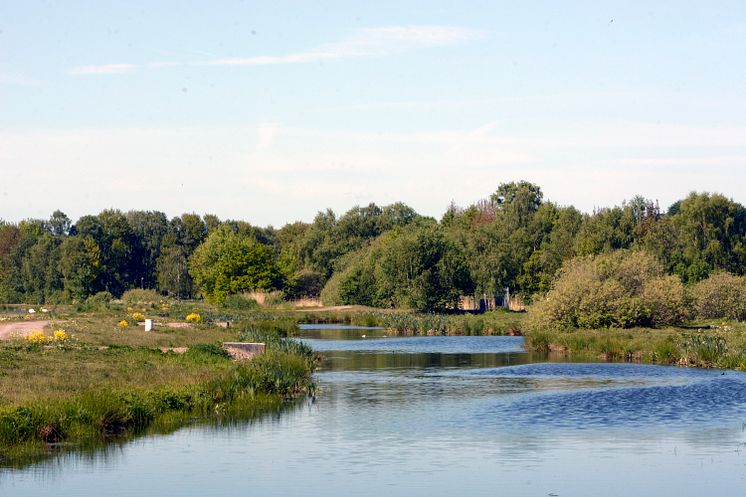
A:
x: 443, y: 416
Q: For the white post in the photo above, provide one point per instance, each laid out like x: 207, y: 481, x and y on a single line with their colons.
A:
x: 148, y: 325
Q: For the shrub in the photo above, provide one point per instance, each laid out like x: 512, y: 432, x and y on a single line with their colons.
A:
x: 307, y: 283
x: 240, y: 302
x: 37, y: 337
x: 60, y: 336
x: 97, y: 301
x: 666, y: 301
x: 618, y: 290
x: 139, y: 296
x: 721, y: 296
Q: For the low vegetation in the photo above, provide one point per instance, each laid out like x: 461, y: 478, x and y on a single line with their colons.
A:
x: 87, y: 381
x: 721, y: 345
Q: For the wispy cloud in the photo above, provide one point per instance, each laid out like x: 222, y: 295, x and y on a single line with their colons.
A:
x: 367, y: 42
x: 103, y: 69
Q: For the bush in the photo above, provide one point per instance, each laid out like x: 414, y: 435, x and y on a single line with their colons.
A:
x: 619, y: 290
x: 307, y: 283
x: 721, y: 296
x: 139, y: 296
x: 239, y: 302
x: 98, y: 300
x: 666, y: 301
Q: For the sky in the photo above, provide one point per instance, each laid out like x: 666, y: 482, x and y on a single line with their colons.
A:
x: 272, y: 111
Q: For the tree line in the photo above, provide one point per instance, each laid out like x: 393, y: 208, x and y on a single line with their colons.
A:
x: 385, y: 256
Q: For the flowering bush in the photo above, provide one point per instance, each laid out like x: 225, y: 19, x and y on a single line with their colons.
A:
x: 123, y: 323
x: 60, y: 336
x: 36, y: 336
x: 138, y: 316
x: 194, y: 318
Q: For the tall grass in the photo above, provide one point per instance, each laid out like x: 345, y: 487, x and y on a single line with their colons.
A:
x: 100, y: 414
x: 722, y: 348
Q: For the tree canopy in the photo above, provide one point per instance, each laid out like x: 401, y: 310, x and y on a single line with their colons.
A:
x: 376, y: 255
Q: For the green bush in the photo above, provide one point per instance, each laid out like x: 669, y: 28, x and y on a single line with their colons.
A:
x: 97, y: 301
x: 618, y: 290
x: 721, y: 296
x: 139, y: 296
x: 100, y: 298
x: 239, y: 302
x: 666, y: 301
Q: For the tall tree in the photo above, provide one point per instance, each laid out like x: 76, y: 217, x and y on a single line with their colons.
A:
x: 228, y: 263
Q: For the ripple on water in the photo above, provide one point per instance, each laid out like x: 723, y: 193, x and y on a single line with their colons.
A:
x: 419, y: 345
x: 584, y: 396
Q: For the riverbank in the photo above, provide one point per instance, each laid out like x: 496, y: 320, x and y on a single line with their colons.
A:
x: 85, y: 380
x: 703, y: 344
x: 106, y: 378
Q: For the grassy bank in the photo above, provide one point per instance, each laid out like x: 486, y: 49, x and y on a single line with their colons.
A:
x: 397, y: 322
x: 104, y: 382
x: 705, y: 344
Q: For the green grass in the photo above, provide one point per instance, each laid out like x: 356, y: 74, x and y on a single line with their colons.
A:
x: 106, y: 383
x: 721, y: 345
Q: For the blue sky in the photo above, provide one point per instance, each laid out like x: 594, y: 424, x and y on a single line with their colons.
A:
x: 272, y: 111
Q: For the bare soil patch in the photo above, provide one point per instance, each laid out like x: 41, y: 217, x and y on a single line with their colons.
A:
x: 20, y: 328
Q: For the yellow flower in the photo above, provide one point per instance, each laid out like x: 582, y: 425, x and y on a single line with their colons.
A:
x: 129, y: 309
x: 137, y: 316
x: 123, y: 324
x: 60, y: 336
x: 36, y: 336
x: 194, y: 318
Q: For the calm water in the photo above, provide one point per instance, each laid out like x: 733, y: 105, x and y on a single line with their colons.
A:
x: 437, y: 416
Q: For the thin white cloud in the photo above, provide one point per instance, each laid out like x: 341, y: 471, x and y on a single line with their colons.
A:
x: 103, y: 69
x: 366, y: 42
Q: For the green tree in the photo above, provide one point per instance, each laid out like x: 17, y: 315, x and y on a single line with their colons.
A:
x: 119, y: 252
x: 80, y: 262
x: 228, y: 263
x: 711, y: 233
x: 416, y: 267
x: 172, y: 269
x: 148, y: 229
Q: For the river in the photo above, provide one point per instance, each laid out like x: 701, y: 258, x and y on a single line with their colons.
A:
x: 432, y: 416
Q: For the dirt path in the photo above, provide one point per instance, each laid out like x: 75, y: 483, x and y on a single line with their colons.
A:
x: 20, y: 328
